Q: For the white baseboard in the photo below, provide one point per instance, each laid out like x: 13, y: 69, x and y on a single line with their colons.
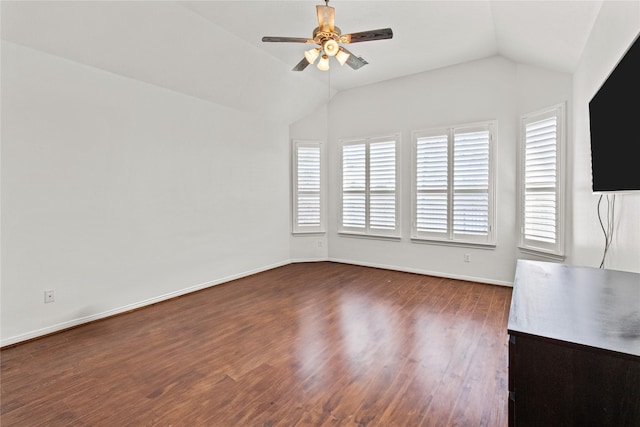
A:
x: 301, y: 260
x: 425, y: 272
x: 119, y: 310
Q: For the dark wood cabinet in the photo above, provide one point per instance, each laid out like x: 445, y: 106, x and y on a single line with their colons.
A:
x: 574, y: 346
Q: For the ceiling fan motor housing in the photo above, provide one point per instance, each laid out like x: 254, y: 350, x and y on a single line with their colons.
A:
x: 320, y: 36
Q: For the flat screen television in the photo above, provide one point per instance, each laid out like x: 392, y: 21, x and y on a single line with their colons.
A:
x: 614, y: 121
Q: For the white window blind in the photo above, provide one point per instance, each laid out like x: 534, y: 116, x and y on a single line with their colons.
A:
x: 354, y: 180
x: 453, y: 182
x: 432, y: 184
x: 382, y: 176
x: 369, y: 193
x: 540, y: 181
x: 540, y: 199
x: 471, y: 183
x: 307, y: 198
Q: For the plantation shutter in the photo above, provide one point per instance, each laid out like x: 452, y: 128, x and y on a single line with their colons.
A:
x: 453, y: 184
x: 307, y: 198
x: 309, y: 186
x: 354, y: 179
x: 471, y: 183
x: 540, y: 181
x: 382, y: 185
x: 369, y: 193
x: 431, y: 184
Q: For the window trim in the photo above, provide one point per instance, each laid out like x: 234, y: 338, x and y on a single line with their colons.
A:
x: 367, y: 232
x: 296, y: 228
x: 556, y: 251
x: 450, y: 237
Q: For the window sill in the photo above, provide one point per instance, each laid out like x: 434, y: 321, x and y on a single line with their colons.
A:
x: 549, y: 255
x: 369, y: 236
x: 308, y: 233
x: 459, y: 243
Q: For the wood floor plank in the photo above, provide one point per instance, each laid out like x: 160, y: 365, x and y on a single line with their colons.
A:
x: 309, y: 344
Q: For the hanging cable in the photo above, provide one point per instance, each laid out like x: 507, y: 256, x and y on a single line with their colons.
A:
x: 608, y: 226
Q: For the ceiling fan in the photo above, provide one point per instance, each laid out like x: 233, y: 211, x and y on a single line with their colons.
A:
x: 329, y: 38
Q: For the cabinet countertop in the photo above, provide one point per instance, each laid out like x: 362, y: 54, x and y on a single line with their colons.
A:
x: 595, y: 307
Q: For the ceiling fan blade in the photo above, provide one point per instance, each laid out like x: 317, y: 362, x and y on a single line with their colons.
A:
x: 326, y: 15
x: 287, y: 39
x: 365, y: 36
x: 353, y: 61
x: 301, y: 65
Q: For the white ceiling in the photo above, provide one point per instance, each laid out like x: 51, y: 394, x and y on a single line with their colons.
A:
x: 213, y: 49
x: 427, y: 34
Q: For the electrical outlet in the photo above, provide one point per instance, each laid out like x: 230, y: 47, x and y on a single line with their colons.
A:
x: 467, y: 258
x: 48, y: 296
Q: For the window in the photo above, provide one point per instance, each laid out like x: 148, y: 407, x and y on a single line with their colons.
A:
x: 453, y: 184
x: 308, y: 216
x: 369, y: 186
x: 541, y: 198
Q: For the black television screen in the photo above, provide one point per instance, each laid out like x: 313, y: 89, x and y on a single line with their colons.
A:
x: 614, y: 121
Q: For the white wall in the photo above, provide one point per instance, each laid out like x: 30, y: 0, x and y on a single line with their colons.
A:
x: 118, y: 193
x: 617, y: 25
x: 482, y: 90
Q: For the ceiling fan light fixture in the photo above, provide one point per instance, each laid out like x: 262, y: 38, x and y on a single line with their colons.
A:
x: 342, y: 56
x: 330, y: 47
x: 323, y: 64
x: 311, y: 55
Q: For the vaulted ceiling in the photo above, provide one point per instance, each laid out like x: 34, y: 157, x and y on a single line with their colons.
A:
x: 426, y: 34
x: 213, y: 49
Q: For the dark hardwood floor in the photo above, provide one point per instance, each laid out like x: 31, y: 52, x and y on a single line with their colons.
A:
x: 312, y: 344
